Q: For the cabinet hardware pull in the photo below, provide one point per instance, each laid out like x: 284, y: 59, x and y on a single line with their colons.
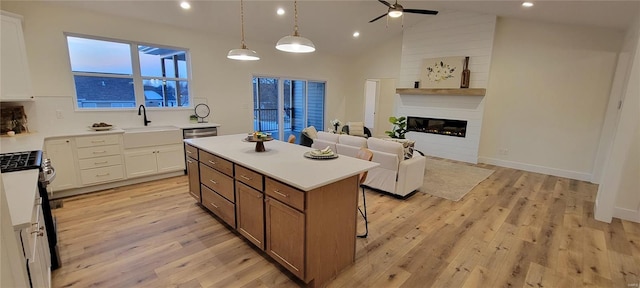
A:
x: 97, y: 141
x: 214, y: 163
x: 189, y: 161
x: 101, y: 175
x: 214, y: 205
x: 245, y: 177
x: 189, y: 152
x: 278, y: 192
x: 39, y: 232
x: 101, y: 162
x: 214, y: 182
x: 99, y: 152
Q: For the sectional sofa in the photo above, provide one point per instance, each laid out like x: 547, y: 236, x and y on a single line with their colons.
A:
x: 395, y: 175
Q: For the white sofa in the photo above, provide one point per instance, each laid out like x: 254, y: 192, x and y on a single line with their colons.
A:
x: 395, y: 175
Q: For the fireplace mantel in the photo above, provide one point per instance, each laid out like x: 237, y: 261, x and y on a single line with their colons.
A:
x: 453, y: 92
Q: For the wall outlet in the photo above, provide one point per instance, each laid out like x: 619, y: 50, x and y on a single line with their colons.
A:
x: 503, y: 151
x: 59, y: 114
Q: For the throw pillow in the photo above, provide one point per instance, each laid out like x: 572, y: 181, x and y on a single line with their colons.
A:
x: 407, y: 144
x: 356, y: 129
x: 311, y: 132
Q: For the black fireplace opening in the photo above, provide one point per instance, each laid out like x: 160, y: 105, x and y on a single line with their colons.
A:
x: 449, y: 127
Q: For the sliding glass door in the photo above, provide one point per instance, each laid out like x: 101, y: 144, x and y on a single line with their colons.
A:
x: 284, y: 107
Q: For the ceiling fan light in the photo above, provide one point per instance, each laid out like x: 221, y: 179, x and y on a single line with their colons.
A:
x: 395, y: 14
x: 243, y: 54
x: 295, y: 44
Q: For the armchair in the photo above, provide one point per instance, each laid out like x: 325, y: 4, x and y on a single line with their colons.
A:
x: 395, y: 174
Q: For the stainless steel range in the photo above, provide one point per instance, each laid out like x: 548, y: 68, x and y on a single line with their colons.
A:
x: 19, y: 161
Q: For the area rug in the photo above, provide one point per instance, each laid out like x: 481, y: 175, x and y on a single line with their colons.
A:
x: 451, y: 180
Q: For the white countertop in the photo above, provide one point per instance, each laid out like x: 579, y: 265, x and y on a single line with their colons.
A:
x: 21, y: 187
x: 283, y: 161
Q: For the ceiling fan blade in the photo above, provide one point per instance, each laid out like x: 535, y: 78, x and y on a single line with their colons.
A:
x: 375, y: 19
x: 386, y: 3
x: 420, y: 11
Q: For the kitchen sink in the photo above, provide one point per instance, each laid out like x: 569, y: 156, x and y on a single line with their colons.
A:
x: 135, y: 137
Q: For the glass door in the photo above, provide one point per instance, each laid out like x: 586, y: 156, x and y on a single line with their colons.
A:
x: 284, y: 107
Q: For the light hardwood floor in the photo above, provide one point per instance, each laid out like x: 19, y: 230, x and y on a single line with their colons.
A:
x: 515, y: 229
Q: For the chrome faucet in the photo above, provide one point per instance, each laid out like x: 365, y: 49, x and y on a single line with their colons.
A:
x: 144, y: 112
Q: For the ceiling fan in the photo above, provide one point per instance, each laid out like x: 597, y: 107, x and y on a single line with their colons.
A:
x: 396, y: 10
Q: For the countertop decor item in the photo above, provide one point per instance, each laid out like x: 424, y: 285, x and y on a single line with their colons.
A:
x: 259, y: 138
x: 444, y: 72
x: 464, y: 82
x: 202, y: 111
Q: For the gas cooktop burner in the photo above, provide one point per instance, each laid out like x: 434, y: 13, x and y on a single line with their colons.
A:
x: 18, y: 161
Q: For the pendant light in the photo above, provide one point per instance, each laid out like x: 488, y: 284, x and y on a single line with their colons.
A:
x: 295, y: 43
x: 243, y: 53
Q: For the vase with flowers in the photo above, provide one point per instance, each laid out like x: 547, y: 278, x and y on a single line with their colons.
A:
x: 335, y: 123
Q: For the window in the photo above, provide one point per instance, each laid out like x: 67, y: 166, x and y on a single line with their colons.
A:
x: 112, y: 74
x: 286, y: 106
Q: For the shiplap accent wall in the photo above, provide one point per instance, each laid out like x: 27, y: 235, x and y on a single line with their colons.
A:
x: 447, y: 34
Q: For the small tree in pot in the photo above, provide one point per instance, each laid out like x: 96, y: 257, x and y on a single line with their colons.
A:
x: 399, y: 127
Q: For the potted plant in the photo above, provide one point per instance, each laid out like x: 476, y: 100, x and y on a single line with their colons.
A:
x: 399, y: 127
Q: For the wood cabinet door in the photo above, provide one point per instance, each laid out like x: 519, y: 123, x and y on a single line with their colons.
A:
x: 250, y: 213
x: 194, y: 178
x: 285, y: 235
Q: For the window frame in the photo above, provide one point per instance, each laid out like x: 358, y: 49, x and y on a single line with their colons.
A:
x: 138, y: 86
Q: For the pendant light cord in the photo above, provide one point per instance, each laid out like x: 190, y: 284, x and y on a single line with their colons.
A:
x: 295, y: 18
x: 242, y: 25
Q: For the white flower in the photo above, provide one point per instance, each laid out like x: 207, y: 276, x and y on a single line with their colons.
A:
x: 335, y: 122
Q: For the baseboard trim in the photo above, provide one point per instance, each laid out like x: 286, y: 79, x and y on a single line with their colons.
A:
x: 537, y: 169
x: 111, y: 185
x: 627, y: 214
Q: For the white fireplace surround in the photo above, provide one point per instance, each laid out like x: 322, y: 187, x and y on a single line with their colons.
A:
x: 467, y: 108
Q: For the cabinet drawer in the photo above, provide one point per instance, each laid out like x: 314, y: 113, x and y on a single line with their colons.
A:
x: 217, y: 181
x: 219, y: 205
x: 100, y: 140
x: 103, y: 174
x: 218, y: 163
x: 285, y: 193
x: 100, y: 162
x: 99, y: 151
x: 191, y: 151
x: 249, y: 177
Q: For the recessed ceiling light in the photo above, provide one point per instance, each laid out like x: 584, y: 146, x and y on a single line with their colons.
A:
x: 356, y: 34
x: 185, y: 5
x: 527, y: 4
x: 280, y: 11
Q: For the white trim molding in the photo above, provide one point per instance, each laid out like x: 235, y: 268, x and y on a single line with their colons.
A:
x: 536, y: 168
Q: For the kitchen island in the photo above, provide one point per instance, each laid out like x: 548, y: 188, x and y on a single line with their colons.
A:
x: 301, y: 212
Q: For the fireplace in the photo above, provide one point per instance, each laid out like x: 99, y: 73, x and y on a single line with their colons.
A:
x: 448, y: 127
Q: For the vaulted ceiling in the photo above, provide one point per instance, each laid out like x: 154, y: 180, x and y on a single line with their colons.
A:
x: 330, y: 24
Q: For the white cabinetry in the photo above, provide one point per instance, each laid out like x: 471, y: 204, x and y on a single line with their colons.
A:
x: 99, y: 158
x: 61, y: 153
x: 14, y: 74
x: 153, y: 160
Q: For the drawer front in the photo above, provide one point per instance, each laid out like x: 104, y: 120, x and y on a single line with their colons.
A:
x: 249, y: 177
x: 100, y: 140
x: 191, y: 151
x: 100, y: 162
x: 98, y: 151
x: 103, y: 174
x: 218, y: 163
x: 217, y: 181
x: 219, y: 206
x: 285, y: 193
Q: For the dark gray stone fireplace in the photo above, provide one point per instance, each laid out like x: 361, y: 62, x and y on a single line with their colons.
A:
x: 448, y: 127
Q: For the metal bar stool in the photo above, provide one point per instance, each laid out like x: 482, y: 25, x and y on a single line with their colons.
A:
x: 364, y: 154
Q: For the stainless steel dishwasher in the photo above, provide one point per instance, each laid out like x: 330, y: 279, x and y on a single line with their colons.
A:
x: 191, y: 133
x: 199, y: 132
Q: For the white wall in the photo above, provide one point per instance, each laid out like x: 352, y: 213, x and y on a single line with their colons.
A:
x: 224, y: 84
x: 619, y: 190
x: 547, y: 96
